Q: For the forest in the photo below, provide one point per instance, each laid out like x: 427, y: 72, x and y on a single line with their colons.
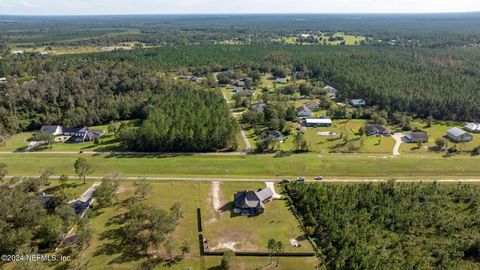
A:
x: 443, y: 83
x: 434, y: 30
x: 183, y: 120
x: 183, y: 117
x: 391, y: 225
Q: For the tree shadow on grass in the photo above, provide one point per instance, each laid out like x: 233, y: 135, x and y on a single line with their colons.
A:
x: 116, y: 244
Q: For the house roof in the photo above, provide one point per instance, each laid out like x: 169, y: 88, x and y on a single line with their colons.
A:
x: 303, y: 108
x: 49, y: 129
x: 456, y: 132
x: 264, y: 194
x: 330, y: 89
x: 259, y: 107
x: 376, y: 129
x: 282, y: 80
x: 472, y: 127
x: 247, y: 199
x: 252, y: 199
x: 418, y: 136
x: 273, y: 133
x: 357, y: 102
x: 318, y: 121
x: 75, y: 130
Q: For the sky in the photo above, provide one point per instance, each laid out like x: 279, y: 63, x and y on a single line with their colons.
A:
x: 107, y: 7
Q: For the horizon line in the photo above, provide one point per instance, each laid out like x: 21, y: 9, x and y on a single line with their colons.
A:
x: 242, y: 14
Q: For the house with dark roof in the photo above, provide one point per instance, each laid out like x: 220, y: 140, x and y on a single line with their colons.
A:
x: 416, y: 137
x: 303, y: 111
x: 82, y: 134
x: 459, y: 135
x: 53, y: 130
x: 376, y: 130
x: 358, y: 103
x: 275, y: 134
x: 251, y: 202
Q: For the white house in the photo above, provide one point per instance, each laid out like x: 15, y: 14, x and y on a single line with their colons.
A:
x: 472, y: 127
x: 312, y: 122
x: 282, y: 80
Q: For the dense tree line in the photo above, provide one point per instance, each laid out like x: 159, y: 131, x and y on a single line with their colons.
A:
x: 187, y: 119
x: 392, y: 226
x: 434, y: 30
x: 443, y: 83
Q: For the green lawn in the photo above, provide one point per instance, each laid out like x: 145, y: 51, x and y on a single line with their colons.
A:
x: 191, y: 195
x: 255, y: 166
x: 438, y: 130
x: 17, y: 142
x: 251, y: 233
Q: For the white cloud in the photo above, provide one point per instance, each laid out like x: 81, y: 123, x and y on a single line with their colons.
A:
x: 68, y: 7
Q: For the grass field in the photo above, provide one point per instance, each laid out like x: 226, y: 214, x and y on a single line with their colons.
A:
x: 438, y: 130
x: 250, y: 233
x: 102, y: 255
x: 19, y: 142
x: 255, y: 166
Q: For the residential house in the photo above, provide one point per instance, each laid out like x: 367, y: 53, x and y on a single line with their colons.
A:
x: 330, y: 90
x: 323, y: 122
x: 239, y: 83
x: 74, y: 131
x: 472, y: 127
x: 17, y: 52
x: 416, y: 137
x: 358, y: 103
x: 251, y: 202
x: 459, y: 135
x: 376, y: 130
x: 78, y: 135
x: 259, y: 107
x: 303, y: 111
x: 275, y: 134
x: 312, y: 105
x: 282, y: 80
x: 241, y: 91
x: 53, y: 130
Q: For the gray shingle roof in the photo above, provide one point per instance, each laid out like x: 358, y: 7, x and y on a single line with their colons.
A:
x: 49, y: 129
x: 456, y: 132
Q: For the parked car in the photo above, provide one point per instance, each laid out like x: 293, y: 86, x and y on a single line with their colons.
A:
x: 285, y: 181
x: 318, y: 178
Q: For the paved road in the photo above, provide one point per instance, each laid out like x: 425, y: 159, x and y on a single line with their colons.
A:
x: 127, y: 153
x: 212, y: 179
x: 398, y: 141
